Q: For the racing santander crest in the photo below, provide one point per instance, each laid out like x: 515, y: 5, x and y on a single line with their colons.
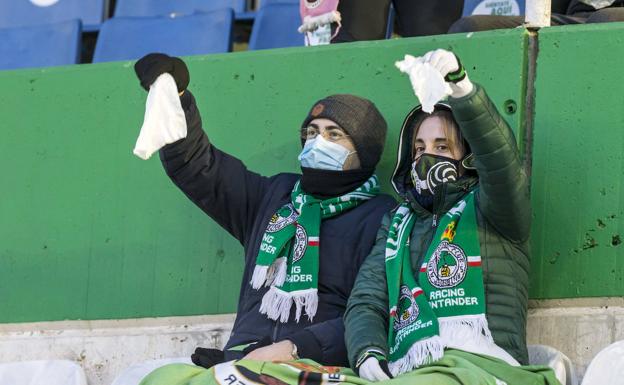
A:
x: 285, y: 216
x: 301, y: 243
x: 448, y: 266
x: 407, y: 311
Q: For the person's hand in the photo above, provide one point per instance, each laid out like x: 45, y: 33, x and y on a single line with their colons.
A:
x: 452, y: 70
x: 280, y: 351
x: 373, y: 366
x: 152, y: 65
x: 207, y: 357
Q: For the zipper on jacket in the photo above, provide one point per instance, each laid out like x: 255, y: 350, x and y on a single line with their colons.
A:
x: 438, y: 199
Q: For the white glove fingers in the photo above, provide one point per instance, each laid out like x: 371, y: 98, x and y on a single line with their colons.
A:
x: 371, y: 370
x: 382, y: 376
x: 427, y: 56
x: 446, y: 68
x: 436, y: 59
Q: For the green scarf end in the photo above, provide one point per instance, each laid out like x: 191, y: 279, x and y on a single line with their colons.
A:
x: 420, y: 353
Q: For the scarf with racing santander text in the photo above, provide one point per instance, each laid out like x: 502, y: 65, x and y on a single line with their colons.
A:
x: 288, y: 260
x: 433, y: 312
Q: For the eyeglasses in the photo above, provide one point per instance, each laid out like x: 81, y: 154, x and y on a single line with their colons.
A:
x: 332, y: 134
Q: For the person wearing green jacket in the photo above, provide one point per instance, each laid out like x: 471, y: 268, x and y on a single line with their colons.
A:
x: 445, y: 287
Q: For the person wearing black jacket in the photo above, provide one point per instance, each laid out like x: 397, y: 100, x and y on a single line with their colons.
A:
x: 343, y: 138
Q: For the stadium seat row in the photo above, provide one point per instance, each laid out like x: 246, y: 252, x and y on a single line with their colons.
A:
x: 127, y: 38
x: 22, y: 13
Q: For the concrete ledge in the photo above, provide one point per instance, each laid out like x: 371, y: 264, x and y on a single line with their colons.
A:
x: 579, y: 328
x: 105, y: 348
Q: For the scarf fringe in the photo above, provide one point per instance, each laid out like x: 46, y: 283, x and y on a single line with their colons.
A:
x: 308, y: 301
x: 451, y: 329
x: 269, y: 275
x: 277, y: 273
x: 259, y: 276
x: 276, y: 303
x: 420, y: 353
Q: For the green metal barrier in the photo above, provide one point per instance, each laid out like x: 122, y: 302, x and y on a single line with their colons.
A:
x: 88, y: 231
x: 578, y: 163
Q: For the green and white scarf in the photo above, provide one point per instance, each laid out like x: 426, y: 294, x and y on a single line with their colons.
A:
x: 429, y: 314
x: 288, y: 260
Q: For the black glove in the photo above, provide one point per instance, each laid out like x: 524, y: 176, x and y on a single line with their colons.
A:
x: 152, y: 65
x: 207, y: 358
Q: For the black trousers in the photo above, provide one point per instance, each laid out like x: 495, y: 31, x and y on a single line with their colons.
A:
x: 367, y: 19
x: 486, y: 22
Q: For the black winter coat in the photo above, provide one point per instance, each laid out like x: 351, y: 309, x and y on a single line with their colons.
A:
x: 242, y: 202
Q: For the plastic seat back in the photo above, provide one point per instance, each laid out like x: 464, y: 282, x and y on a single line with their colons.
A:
x: 150, y: 8
x: 198, y: 34
x: 40, y: 46
x: 276, y: 27
x: 553, y: 358
x: 607, y: 367
x: 135, y: 373
x: 52, y: 372
x: 20, y: 13
x: 267, y: 2
x: 494, y: 7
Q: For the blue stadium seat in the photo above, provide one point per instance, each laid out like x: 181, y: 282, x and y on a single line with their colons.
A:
x: 493, y: 7
x: 252, y: 14
x: 21, y: 13
x: 40, y: 46
x: 142, y: 8
x: 267, y: 2
x: 276, y: 27
x: 130, y: 38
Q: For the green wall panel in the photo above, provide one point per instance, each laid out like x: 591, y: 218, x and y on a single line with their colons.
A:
x: 578, y: 163
x: 88, y: 231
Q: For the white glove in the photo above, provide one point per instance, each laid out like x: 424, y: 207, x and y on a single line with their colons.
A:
x: 371, y: 370
x: 374, y: 367
x: 451, y: 69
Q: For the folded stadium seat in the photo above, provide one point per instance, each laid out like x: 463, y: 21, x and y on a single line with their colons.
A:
x: 276, y: 27
x: 52, y: 372
x: 135, y: 373
x: 198, y: 34
x: 150, y: 8
x: 556, y: 360
x: 493, y: 7
x: 20, y: 13
x: 607, y: 368
x: 40, y: 46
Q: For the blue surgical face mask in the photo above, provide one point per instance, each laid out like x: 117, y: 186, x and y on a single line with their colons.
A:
x: 322, y: 154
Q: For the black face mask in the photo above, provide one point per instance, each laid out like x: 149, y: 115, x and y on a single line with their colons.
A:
x: 325, y: 184
x: 429, y: 172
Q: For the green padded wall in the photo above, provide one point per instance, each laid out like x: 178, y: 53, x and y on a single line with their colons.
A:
x: 88, y: 231
x: 578, y: 163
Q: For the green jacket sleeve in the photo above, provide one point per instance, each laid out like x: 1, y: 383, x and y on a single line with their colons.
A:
x: 366, y: 317
x: 503, y: 193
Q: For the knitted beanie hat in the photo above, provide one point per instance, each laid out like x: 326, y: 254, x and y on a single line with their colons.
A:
x: 360, y: 119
